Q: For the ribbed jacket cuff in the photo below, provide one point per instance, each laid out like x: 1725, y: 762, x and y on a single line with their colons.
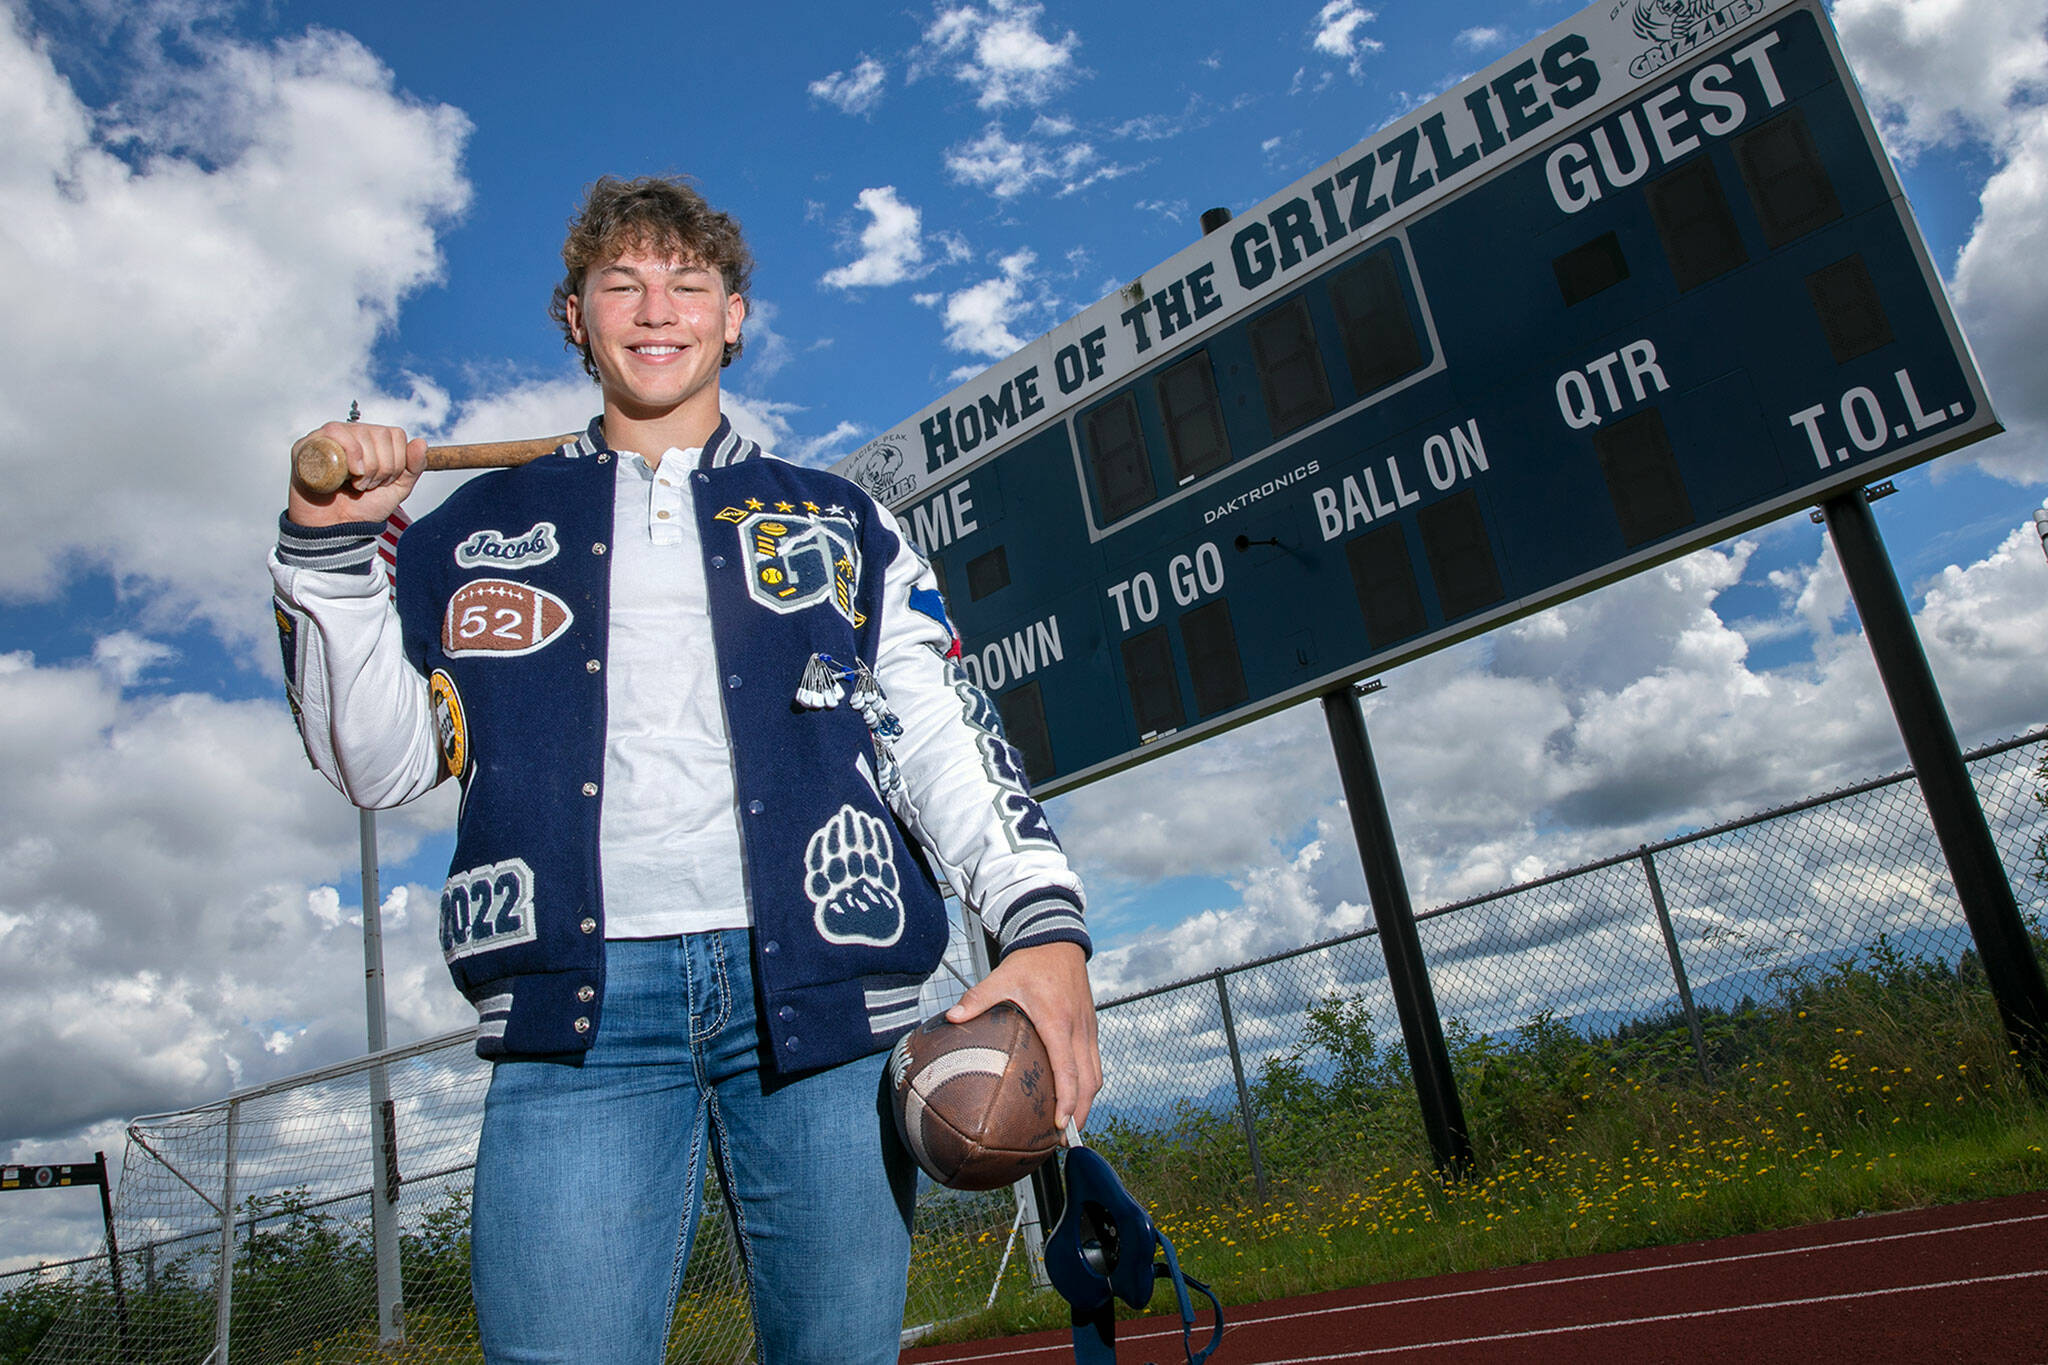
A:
x: 349, y: 547
x: 1049, y: 916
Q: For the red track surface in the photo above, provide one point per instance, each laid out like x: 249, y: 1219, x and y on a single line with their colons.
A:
x: 1968, y: 1282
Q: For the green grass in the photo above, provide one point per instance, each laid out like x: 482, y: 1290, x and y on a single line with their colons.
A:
x: 1876, y: 1085
x: 1871, y: 1084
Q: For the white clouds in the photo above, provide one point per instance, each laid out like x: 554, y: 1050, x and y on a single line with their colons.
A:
x: 1944, y: 70
x: 167, y: 901
x: 1479, y: 39
x: 2001, y: 291
x: 1336, y: 30
x: 1005, y: 168
x: 852, y: 92
x: 125, y: 656
x: 999, y: 51
x: 192, y: 314
x: 891, y: 245
x: 979, y: 317
x: 1944, y: 73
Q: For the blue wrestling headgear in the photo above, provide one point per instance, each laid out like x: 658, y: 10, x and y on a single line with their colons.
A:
x: 1102, y: 1250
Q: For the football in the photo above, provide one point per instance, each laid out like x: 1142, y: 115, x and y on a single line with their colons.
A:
x: 974, y: 1101
x: 499, y: 616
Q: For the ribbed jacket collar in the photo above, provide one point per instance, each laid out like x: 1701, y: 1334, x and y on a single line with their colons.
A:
x: 726, y: 446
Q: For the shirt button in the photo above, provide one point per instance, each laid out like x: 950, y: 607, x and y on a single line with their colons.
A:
x: 586, y: 993
x: 598, y: 548
x: 662, y: 514
x: 588, y: 926
x: 755, y: 808
x: 590, y: 789
x: 733, y: 681
x: 591, y: 666
x: 583, y: 1026
x: 718, y: 561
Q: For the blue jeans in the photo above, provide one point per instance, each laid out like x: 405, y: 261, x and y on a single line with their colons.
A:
x: 590, y: 1178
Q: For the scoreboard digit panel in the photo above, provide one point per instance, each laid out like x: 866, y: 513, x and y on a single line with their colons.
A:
x: 1697, y: 307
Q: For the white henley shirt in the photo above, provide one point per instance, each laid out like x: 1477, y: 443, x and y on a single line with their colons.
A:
x: 669, y: 840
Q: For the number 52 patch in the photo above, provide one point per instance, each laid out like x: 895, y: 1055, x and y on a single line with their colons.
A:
x: 487, y: 907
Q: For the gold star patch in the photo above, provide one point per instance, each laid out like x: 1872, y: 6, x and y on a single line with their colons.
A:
x: 810, y: 507
x: 785, y: 507
x: 755, y: 504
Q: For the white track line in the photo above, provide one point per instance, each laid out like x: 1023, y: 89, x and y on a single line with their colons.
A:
x: 1659, y: 1317
x: 1241, y: 1323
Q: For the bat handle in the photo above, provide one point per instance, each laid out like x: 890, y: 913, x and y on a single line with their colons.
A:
x: 319, y: 465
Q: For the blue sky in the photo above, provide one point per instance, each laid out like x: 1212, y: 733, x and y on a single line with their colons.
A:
x: 226, y: 221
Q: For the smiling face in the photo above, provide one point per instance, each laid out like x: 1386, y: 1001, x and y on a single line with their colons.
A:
x: 657, y: 329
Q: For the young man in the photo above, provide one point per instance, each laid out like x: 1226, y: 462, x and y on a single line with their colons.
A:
x: 711, y: 745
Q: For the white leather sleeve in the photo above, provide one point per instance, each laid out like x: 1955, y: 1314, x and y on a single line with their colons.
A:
x: 363, y: 710
x: 964, y: 793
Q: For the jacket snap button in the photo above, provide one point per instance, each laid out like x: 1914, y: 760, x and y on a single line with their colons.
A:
x: 598, y: 548
x: 755, y: 808
x: 588, y: 926
x: 771, y: 948
x: 590, y: 789
x: 591, y: 666
x: 718, y: 561
x: 789, y: 1043
x: 604, y: 457
x: 583, y: 1026
x: 786, y: 1013
x: 702, y: 477
x: 733, y: 681
x: 586, y: 993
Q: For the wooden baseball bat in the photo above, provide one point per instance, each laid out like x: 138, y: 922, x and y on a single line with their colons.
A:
x: 320, y: 466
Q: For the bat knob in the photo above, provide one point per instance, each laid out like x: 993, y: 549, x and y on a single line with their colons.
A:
x: 319, y: 464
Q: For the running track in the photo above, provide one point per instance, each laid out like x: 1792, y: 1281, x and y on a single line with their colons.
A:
x: 1968, y: 1282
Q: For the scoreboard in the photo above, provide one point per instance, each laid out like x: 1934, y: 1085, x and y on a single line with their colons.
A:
x: 1642, y: 284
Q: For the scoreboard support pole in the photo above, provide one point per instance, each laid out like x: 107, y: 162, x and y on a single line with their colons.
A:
x: 2010, y: 967
x: 1443, y: 1116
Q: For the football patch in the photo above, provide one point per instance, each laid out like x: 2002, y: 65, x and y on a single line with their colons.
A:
x: 498, y: 616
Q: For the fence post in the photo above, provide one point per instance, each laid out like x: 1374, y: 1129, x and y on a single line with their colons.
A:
x: 1031, y: 1212
x: 224, y: 1293
x: 1692, y: 1017
x: 1244, y: 1098
x: 384, y: 1178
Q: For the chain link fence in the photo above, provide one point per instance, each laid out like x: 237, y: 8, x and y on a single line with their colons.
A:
x: 1676, y: 930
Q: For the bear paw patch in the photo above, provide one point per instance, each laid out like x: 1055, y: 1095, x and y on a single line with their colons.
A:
x: 851, y: 879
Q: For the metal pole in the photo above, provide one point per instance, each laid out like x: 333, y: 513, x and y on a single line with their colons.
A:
x: 99, y: 1162
x: 224, y: 1293
x: 384, y: 1180
x: 1244, y: 1098
x: 1443, y: 1115
x: 1692, y: 1017
x: 1974, y: 866
x: 1038, y: 1195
